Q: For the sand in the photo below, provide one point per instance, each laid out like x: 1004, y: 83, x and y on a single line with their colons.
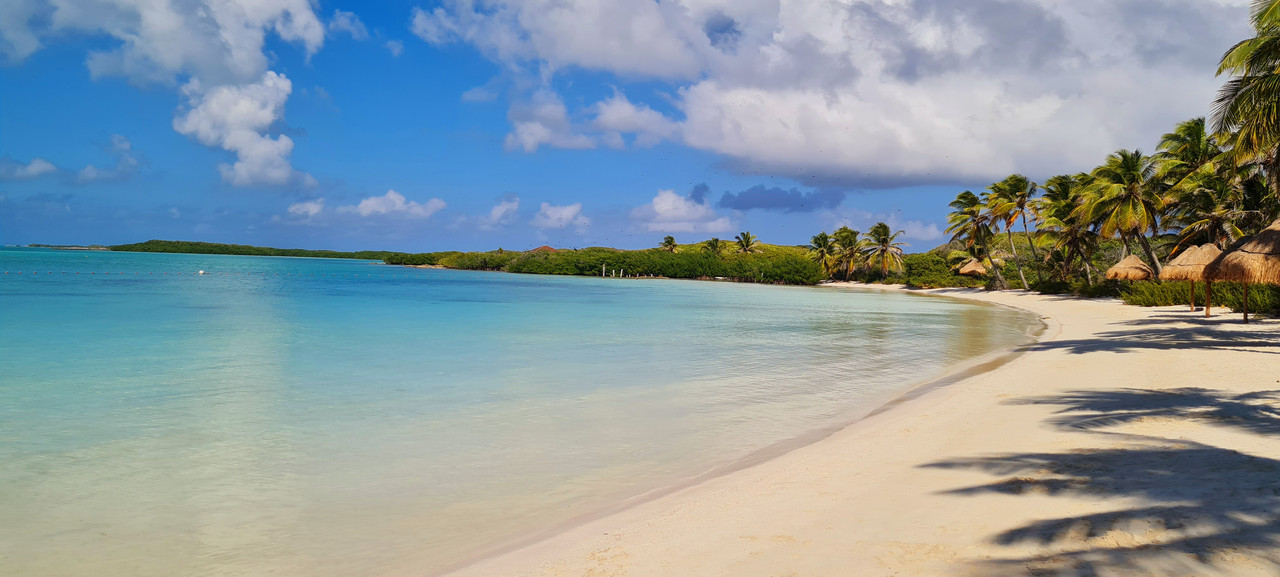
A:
x: 1127, y: 441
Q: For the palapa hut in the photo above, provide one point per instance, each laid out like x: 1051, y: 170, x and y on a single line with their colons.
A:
x: 1130, y: 268
x: 1190, y: 266
x: 1256, y: 261
x: 973, y: 268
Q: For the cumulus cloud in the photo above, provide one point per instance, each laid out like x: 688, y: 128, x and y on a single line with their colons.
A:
x: 875, y: 93
x: 308, y: 208
x: 126, y: 163
x: 671, y: 212
x: 777, y: 199
x: 215, y: 48
x: 349, y: 23
x: 160, y: 40
x: 394, y: 203
x: 14, y: 170
x: 502, y: 213
x: 618, y: 115
x: 543, y: 120
x: 396, y: 47
x: 235, y: 117
x: 552, y: 216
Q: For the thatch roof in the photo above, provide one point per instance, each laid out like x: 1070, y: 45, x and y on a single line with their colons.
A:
x: 973, y: 268
x: 1191, y: 263
x: 1131, y: 268
x: 1256, y: 260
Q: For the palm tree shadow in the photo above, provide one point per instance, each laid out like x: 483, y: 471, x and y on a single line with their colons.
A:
x: 1168, y: 338
x: 1204, y: 509
x: 1257, y: 411
x: 1207, y: 506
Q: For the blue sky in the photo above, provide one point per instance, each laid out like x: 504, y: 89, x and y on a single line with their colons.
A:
x: 472, y: 125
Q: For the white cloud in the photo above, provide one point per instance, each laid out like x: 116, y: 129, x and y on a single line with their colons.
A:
x: 552, y: 216
x: 350, y: 23
x: 502, y: 213
x: 543, y: 120
x: 308, y: 208
x: 671, y: 212
x: 14, y: 170
x: 126, y: 164
x: 396, y: 47
x: 218, y: 41
x: 479, y: 94
x: 619, y: 115
x: 867, y: 92
x: 215, y: 47
x: 235, y: 117
x: 912, y: 230
x: 394, y: 203
x: 17, y: 39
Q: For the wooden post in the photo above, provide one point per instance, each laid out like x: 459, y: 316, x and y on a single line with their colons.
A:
x: 1208, y: 296
x: 1193, y: 296
x: 1246, y: 303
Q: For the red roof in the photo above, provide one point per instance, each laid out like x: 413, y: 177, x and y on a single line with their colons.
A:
x: 544, y: 248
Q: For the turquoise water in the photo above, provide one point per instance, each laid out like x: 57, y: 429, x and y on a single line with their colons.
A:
x: 335, y: 417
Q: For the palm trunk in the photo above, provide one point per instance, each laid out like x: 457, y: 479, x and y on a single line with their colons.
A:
x: 1035, y: 257
x: 1146, y: 247
x: 1000, y: 282
x: 1014, y: 250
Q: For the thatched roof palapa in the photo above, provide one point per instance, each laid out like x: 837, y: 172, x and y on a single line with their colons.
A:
x: 1130, y: 268
x: 973, y: 268
x: 1256, y: 261
x: 1190, y: 265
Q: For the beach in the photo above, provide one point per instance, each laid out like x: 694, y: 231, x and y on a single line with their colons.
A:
x: 1126, y: 441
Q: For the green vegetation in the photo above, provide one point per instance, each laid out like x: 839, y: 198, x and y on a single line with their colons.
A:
x: 1230, y: 295
x: 711, y: 259
x: 189, y: 247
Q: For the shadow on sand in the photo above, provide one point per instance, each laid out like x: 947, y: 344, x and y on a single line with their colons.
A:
x: 1144, y: 336
x: 1203, y: 510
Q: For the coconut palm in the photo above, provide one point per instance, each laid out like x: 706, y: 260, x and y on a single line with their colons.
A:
x: 1247, y: 108
x: 1123, y: 199
x: 849, y: 249
x: 1011, y: 199
x: 668, y: 243
x: 747, y: 242
x: 970, y: 223
x: 1186, y: 149
x: 882, y: 249
x: 823, y: 250
x: 713, y: 246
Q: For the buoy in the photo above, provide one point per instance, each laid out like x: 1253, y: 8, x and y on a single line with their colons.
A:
x: 201, y: 272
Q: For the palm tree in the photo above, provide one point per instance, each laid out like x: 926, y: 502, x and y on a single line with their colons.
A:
x: 1009, y: 200
x: 823, y: 249
x: 1186, y: 149
x: 1062, y: 221
x: 1123, y: 199
x: 713, y: 246
x: 668, y: 243
x: 849, y: 249
x: 971, y: 223
x: 882, y: 249
x: 747, y: 242
x: 1247, y: 108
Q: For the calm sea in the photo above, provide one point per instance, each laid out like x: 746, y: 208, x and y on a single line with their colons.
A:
x: 332, y: 417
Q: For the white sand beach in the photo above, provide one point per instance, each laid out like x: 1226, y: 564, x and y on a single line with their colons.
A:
x: 1127, y: 441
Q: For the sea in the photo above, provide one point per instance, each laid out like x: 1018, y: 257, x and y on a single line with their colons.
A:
x: 331, y: 417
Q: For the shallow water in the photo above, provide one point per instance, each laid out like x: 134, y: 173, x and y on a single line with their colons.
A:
x: 337, y: 417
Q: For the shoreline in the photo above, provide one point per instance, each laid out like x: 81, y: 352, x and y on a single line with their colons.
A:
x: 951, y: 375
x: 697, y: 528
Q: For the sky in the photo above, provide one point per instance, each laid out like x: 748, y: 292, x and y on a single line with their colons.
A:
x: 477, y: 124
